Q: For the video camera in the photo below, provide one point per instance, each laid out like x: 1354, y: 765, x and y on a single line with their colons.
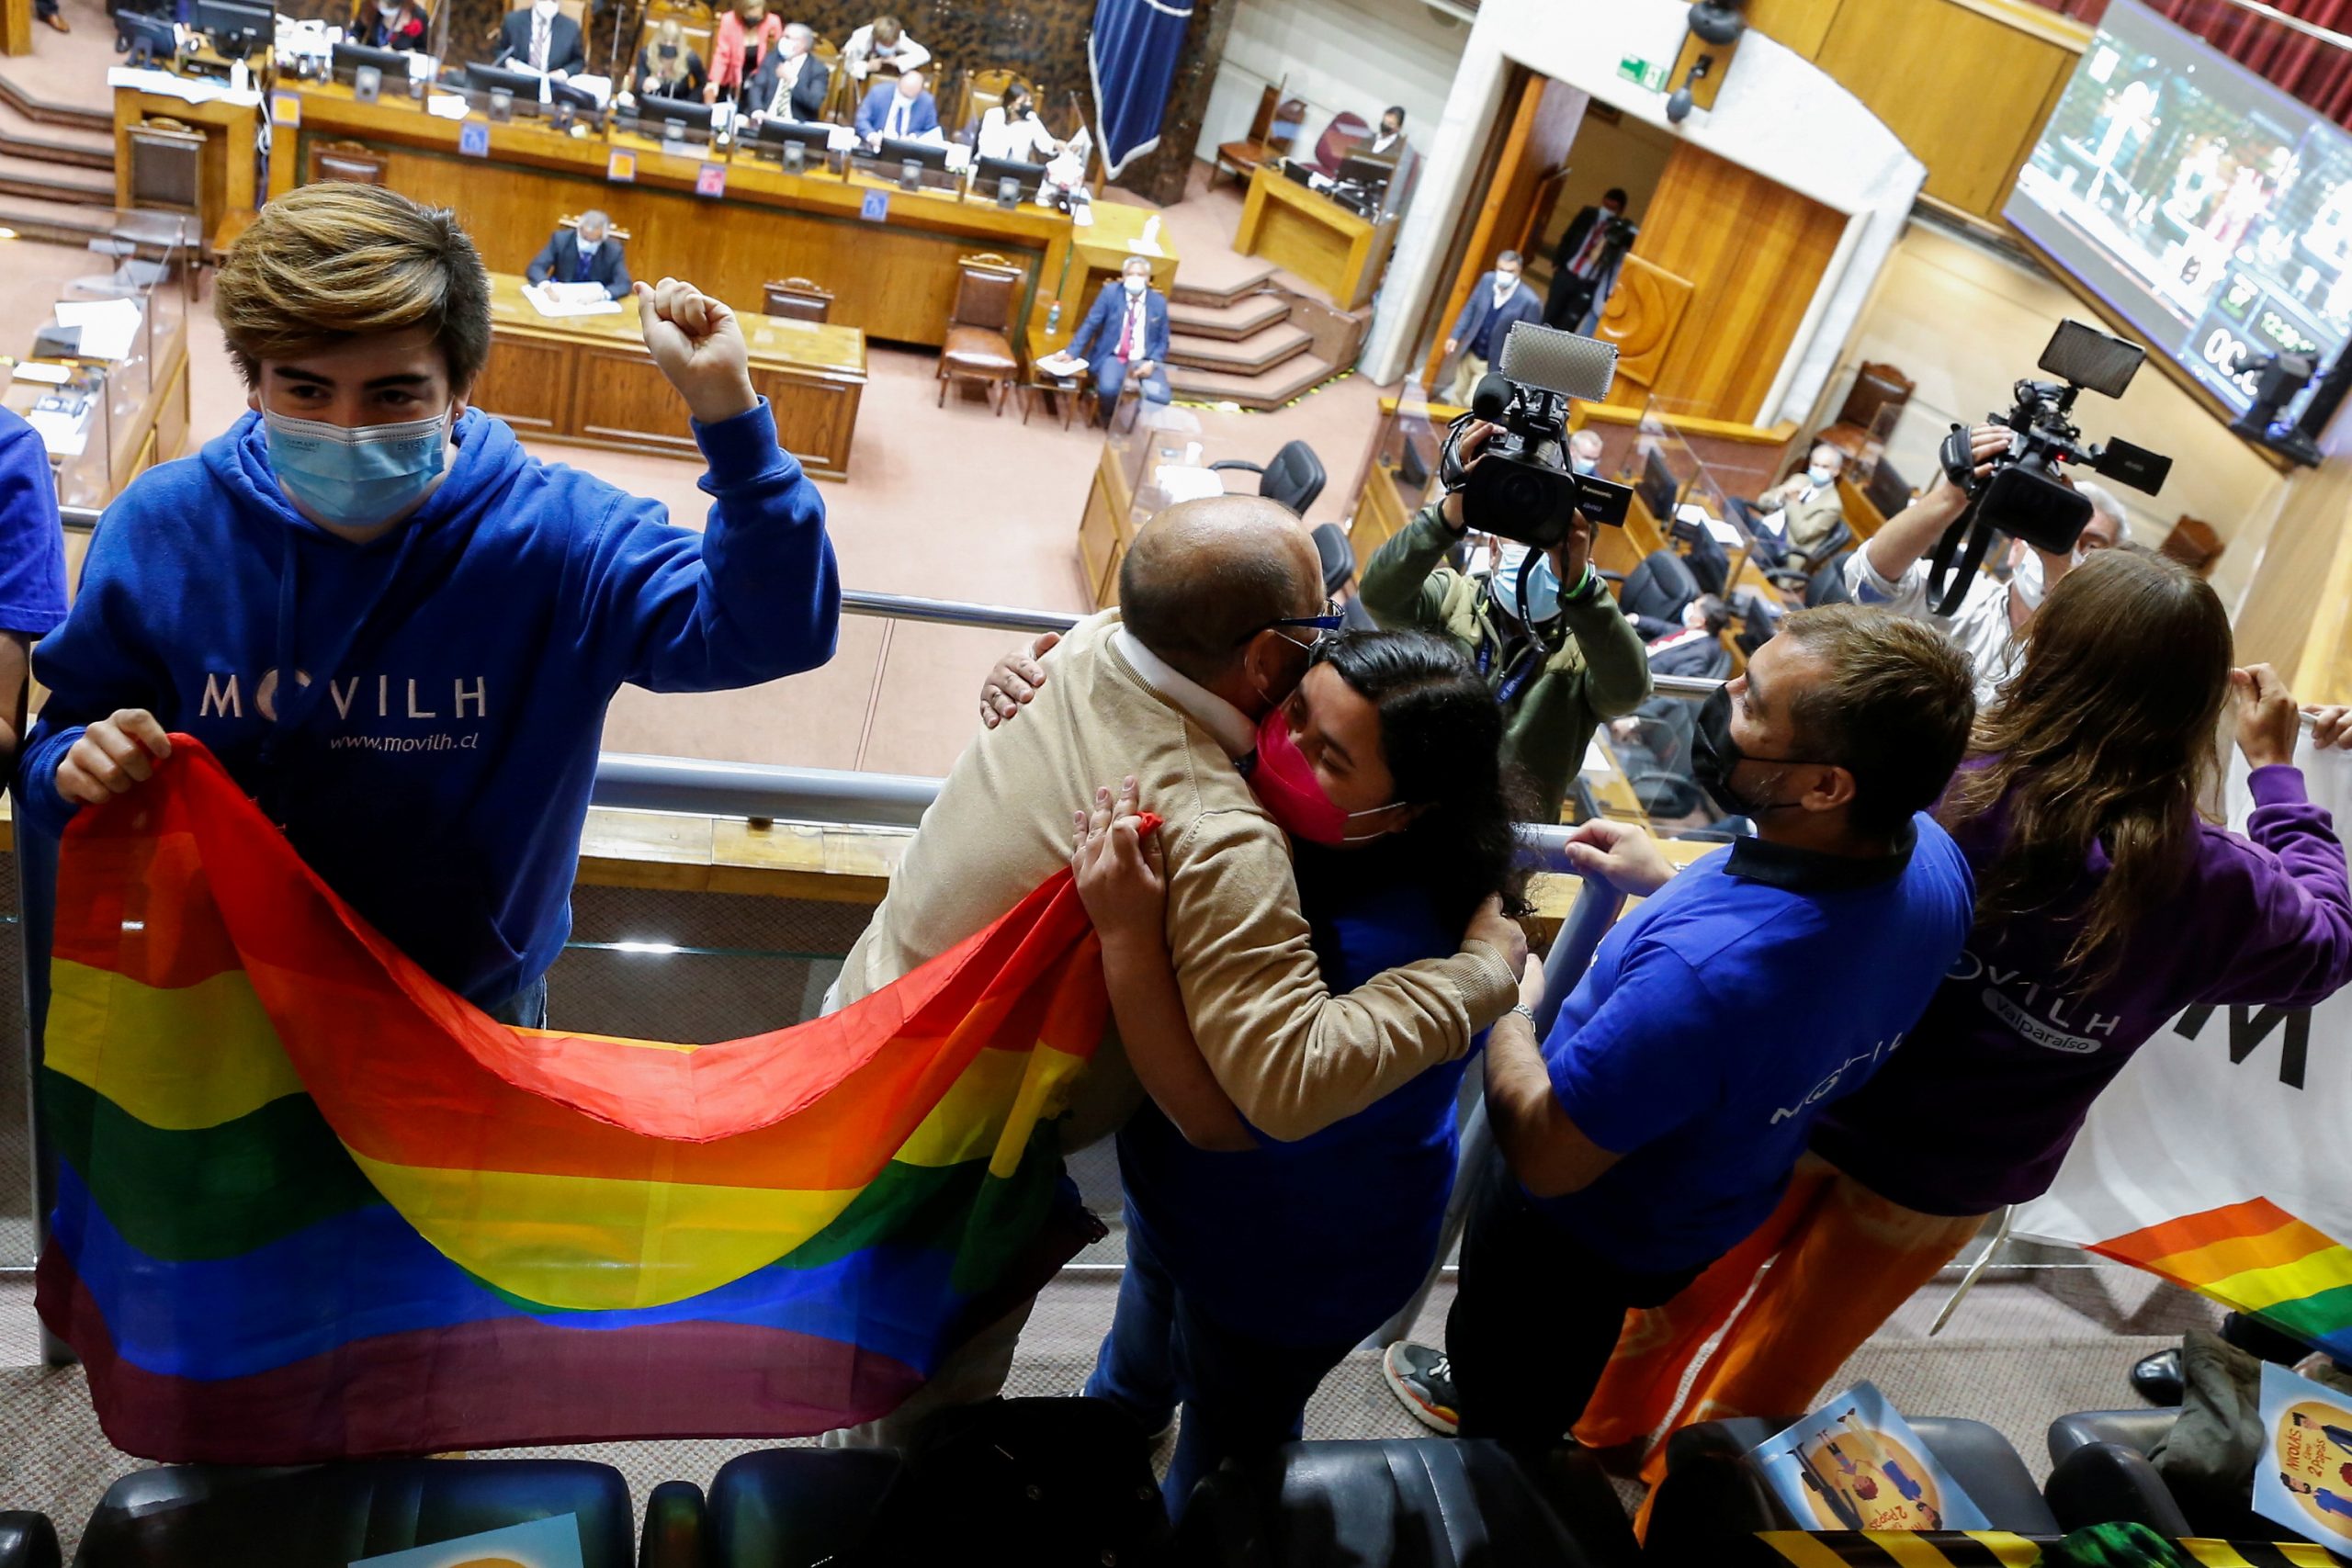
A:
x: 2023, y: 495
x: 1521, y: 485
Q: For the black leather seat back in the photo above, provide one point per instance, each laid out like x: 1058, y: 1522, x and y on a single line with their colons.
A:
x: 1400, y: 1503
x: 786, y: 1507
x: 1827, y: 583
x: 2137, y: 1429
x: 325, y: 1516
x: 28, y: 1540
x: 1660, y: 587
x: 1295, y: 477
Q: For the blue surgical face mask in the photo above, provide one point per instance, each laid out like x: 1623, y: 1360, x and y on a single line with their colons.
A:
x: 1583, y: 465
x: 357, y: 479
x: 1543, y: 590
x: 1820, y: 476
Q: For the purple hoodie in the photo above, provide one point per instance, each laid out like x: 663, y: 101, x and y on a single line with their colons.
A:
x: 1978, y: 1107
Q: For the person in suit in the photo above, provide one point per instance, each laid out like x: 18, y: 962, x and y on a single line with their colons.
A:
x: 668, y: 67
x: 1584, y: 267
x: 1126, y: 336
x: 901, y: 110
x: 1798, y: 516
x: 746, y: 35
x: 1498, y: 302
x: 541, y: 37
x: 1691, y: 645
x: 587, y: 254
x: 791, y: 82
x: 1389, y: 142
x: 392, y: 24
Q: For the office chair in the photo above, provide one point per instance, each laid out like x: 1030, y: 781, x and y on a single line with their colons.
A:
x: 1295, y: 477
x: 1659, y: 588
x: 1339, y: 558
x: 351, y: 161
x: 1798, y: 580
x: 978, y: 344
x: 1827, y: 583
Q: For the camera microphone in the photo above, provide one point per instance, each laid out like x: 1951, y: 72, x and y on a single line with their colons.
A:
x: 1492, y: 398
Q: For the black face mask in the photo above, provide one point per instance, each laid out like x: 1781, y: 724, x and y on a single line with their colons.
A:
x: 669, y: 51
x: 1716, y: 756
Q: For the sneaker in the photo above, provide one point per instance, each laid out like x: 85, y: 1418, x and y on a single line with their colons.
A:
x: 1423, y: 1379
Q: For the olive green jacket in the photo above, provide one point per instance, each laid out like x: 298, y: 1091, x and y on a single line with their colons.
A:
x: 1601, y: 670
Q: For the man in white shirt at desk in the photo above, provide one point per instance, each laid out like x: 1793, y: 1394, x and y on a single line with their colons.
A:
x: 898, y: 112
x: 881, y: 41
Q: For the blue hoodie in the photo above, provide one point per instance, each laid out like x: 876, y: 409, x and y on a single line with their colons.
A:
x: 434, y: 763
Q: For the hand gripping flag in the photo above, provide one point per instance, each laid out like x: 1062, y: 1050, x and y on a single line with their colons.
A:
x: 312, y: 1204
x: 1133, y: 54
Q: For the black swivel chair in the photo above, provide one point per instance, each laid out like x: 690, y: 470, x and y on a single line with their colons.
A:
x: 1827, y: 583
x: 1799, y: 580
x: 1295, y: 477
x: 1405, y: 1503
x: 324, y: 1516
x: 1339, y: 558
x: 1660, y: 587
x: 28, y: 1540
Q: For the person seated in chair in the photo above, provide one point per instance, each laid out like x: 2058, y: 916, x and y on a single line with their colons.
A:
x: 586, y: 255
x: 1126, y: 337
x: 541, y: 37
x: 393, y: 24
x: 899, y: 111
x: 1012, y: 129
x: 792, y: 83
x: 1692, y: 647
x: 668, y: 67
x: 1801, y: 514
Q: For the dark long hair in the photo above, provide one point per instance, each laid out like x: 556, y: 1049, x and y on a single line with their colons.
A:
x: 1441, y: 736
x: 2104, y: 736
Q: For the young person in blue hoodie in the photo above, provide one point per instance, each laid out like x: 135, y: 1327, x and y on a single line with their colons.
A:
x: 455, y: 613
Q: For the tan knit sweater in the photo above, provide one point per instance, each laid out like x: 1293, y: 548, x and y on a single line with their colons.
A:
x: 1293, y: 1057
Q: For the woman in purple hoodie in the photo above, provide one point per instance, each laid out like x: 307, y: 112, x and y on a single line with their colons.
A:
x: 2106, y: 904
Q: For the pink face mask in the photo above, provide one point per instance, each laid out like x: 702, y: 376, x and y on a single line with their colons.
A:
x: 1285, y: 784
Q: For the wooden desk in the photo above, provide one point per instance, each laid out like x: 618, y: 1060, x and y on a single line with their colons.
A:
x: 1306, y: 232
x: 588, y: 379
x: 894, y: 278
x: 226, y: 186
x: 151, y: 432
x: 16, y: 27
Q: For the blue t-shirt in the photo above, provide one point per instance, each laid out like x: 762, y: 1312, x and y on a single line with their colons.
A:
x: 1316, y: 1242
x: 1720, y: 1017
x: 32, y: 546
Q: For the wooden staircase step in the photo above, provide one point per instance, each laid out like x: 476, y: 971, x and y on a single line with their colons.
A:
x: 1265, y: 390
x: 1219, y: 280
x: 1261, y: 351
x: 1248, y: 314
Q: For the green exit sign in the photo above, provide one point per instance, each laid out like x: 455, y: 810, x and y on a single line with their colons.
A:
x: 1634, y: 69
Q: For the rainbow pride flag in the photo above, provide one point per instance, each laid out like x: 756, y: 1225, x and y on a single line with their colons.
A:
x: 2256, y: 1258
x: 313, y: 1205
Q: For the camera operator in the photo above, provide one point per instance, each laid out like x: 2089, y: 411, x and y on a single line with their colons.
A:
x: 1891, y: 571
x: 1560, y: 665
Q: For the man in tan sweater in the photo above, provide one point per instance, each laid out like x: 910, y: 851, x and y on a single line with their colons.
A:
x: 1221, y: 599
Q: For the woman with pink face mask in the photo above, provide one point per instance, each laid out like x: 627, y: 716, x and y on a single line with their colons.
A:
x: 1253, y: 1269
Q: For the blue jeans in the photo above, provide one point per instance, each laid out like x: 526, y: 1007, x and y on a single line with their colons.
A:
x: 526, y: 1009
x: 1111, y: 374
x: 1242, y: 1397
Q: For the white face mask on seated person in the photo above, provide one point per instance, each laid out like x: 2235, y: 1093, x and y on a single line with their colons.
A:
x: 1820, y: 476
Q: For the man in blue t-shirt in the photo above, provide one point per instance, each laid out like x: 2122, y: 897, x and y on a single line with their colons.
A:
x: 32, y: 568
x: 1658, y: 1124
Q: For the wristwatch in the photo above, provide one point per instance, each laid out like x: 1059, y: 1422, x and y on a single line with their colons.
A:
x: 1526, y: 1012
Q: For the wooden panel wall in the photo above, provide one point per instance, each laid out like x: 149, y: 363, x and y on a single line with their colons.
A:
x: 896, y: 284
x: 2293, y: 615
x: 1966, y: 84
x: 1043, y: 39
x: 1754, y: 252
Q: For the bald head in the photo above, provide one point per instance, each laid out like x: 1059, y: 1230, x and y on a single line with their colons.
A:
x: 1205, y: 576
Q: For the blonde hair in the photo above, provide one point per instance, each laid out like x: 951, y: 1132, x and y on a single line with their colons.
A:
x: 887, y: 29
x: 328, y: 263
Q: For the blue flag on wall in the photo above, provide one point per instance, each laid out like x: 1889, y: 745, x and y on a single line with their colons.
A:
x: 1132, y: 53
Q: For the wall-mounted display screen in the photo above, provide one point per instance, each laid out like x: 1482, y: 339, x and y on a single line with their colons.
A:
x: 2206, y: 207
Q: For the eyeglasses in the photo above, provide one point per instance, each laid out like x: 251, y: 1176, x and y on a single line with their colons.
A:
x: 1324, y: 624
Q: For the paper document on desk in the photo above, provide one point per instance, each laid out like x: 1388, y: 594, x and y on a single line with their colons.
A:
x: 446, y: 106
x: 187, y: 89
x: 64, y: 435
x: 1178, y: 482
x: 109, y: 326
x: 558, y: 299
x: 1061, y: 363
x: 1699, y: 517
